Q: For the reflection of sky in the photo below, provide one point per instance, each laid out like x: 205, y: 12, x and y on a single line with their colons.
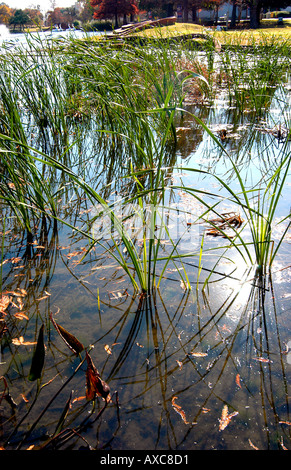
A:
x: 253, y: 149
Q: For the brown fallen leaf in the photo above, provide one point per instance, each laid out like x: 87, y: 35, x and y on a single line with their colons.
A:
x: 21, y: 293
x: 95, y: 386
x: 20, y: 341
x: 282, y: 444
x: 24, y: 398
x: 70, y: 340
x: 205, y: 410
x: 77, y: 399
x: 4, y: 303
x: 198, y: 354
x: 179, y: 410
x: 107, y: 349
x: 237, y: 380
x: 261, y: 359
x: 252, y: 445
x: 21, y: 316
x: 183, y: 285
x: 225, y: 418
x: 20, y: 303
x: 180, y: 364
x: 42, y: 298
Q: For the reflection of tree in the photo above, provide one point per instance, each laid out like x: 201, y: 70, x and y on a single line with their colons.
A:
x: 20, y: 19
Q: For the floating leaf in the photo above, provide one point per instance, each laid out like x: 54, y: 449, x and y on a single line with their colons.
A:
x: 95, y: 385
x: 225, y: 418
x: 38, y: 357
x: 71, y: 341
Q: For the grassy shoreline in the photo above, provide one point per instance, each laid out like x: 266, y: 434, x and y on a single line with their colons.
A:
x: 236, y: 36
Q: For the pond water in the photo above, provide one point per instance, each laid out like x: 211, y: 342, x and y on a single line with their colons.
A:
x: 12, y: 39
x: 200, y: 369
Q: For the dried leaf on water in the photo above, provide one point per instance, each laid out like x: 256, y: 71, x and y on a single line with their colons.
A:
x: 42, y: 298
x: 205, y: 410
x: 95, y: 386
x: 71, y: 341
x: 21, y: 316
x: 252, y: 445
x: 107, y: 349
x: 180, y: 364
x: 179, y: 410
x: 237, y: 380
x: 282, y: 444
x: 183, y: 285
x: 225, y: 418
x: 198, y: 354
x: 20, y: 341
x: 227, y: 220
x: 4, y: 303
x: 262, y: 359
x: 38, y: 357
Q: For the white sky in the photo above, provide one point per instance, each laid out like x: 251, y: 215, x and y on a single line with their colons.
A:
x: 44, y: 5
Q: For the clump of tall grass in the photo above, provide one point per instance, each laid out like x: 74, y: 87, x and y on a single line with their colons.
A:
x: 257, y: 203
x: 131, y: 95
x: 253, y: 73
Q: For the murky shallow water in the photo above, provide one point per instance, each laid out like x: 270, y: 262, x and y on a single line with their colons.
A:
x: 188, y: 370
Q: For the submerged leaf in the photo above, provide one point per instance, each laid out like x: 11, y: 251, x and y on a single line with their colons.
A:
x: 71, y: 341
x: 4, y: 302
x: 262, y: 359
x: 237, y: 380
x: 107, y: 349
x: 38, y: 357
x: 21, y: 316
x: 225, y: 418
x: 95, y: 385
x: 198, y: 354
x: 179, y: 410
x: 20, y: 341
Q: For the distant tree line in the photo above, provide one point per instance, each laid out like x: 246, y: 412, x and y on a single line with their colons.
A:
x: 123, y: 8
x: 130, y: 10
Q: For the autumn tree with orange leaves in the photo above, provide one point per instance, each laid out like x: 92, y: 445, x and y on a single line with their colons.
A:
x: 114, y: 9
